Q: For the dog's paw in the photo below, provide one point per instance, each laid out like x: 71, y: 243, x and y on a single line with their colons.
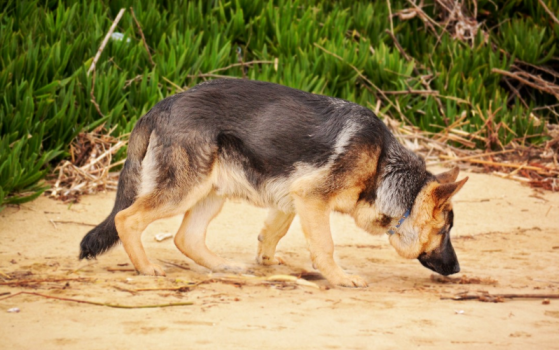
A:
x: 350, y: 281
x: 269, y: 261
x: 151, y: 270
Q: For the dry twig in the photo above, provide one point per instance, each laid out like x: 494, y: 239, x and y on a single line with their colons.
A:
x: 499, y: 164
x: 499, y: 298
x: 47, y: 280
x: 120, y: 269
x: 72, y: 222
x: 549, y: 12
x: 118, y: 306
x: 92, y: 94
x: 142, y: 35
x: 536, y: 166
x: 105, y: 41
x: 174, y: 264
x: 531, y: 80
x: 381, y: 92
x: 211, y: 74
x: 462, y: 280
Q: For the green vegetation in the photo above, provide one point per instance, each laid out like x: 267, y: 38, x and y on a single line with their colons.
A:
x: 337, y: 48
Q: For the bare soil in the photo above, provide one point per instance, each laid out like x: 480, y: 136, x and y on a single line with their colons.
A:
x: 505, y: 234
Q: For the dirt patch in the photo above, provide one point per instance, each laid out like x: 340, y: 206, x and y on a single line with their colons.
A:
x: 504, y: 233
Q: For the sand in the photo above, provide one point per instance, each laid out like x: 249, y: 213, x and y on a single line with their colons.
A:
x: 503, y: 231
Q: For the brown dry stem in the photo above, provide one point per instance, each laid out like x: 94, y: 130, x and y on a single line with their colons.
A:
x: 499, y: 298
x: 118, y: 306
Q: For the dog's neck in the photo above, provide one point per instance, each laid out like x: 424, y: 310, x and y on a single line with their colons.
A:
x: 403, y: 174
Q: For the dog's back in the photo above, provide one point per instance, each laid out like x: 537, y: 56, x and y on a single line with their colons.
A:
x: 256, y: 138
x: 275, y: 126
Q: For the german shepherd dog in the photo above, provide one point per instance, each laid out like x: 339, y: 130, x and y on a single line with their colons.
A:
x: 291, y: 151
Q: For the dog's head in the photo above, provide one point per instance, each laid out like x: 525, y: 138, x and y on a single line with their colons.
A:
x: 425, y: 234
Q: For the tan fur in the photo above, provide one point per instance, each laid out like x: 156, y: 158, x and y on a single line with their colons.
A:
x: 311, y: 183
x: 191, y: 236
x: 303, y: 192
x: 276, y: 226
x: 314, y: 215
x: 314, y: 211
x: 419, y: 233
x: 365, y: 164
x: 366, y: 217
x: 131, y: 222
x: 275, y: 147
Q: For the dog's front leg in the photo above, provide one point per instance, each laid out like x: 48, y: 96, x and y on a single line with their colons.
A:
x: 315, y: 219
x: 275, y: 228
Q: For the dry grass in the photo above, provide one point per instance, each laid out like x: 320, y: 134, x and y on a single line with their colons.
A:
x: 536, y: 166
x: 88, y: 170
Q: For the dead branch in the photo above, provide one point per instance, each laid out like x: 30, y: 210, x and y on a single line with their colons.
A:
x: 462, y: 280
x: 506, y: 165
x: 180, y: 89
x: 499, y: 298
x: 398, y: 46
x: 105, y: 41
x: 4, y: 275
x: 174, y: 264
x: 426, y: 85
x: 368, y: 82
x: 549, y: 12
x: 536, y: 82
x: 211, y: 74
x: 23, y: 282
x: 118, y: 306
x: 390, y: 16
x: 120, y: 269
x: 413, y: 92
x: 92, y: 94
x: 72, y: 222
x: 142, y: 35
x: 181, y: 289
x: 242, y: 64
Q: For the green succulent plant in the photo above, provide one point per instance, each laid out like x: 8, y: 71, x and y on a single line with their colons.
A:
x: 338, y: 48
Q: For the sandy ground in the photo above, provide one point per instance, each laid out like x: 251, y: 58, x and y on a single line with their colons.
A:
x: 503, y: 231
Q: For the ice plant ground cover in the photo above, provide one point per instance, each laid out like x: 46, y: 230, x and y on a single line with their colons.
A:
x: 483, y: 69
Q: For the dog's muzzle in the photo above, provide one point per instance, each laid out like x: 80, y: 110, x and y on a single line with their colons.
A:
x: 442, y: 260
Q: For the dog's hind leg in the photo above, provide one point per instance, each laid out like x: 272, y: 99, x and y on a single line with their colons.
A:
x: 315, y: 220
x: 130, y: 223
x: 191, y: 236
x: 275, y: 227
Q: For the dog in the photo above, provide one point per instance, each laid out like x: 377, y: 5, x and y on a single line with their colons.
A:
x: 281, y: 148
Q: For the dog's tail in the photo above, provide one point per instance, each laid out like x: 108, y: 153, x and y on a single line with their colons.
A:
x: 104, y: 236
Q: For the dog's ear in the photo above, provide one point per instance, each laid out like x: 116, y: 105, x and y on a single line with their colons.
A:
x: 445, y: 191
x: 448, y: 176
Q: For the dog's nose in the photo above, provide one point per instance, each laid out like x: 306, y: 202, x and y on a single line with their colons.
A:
x: 456, y: 268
